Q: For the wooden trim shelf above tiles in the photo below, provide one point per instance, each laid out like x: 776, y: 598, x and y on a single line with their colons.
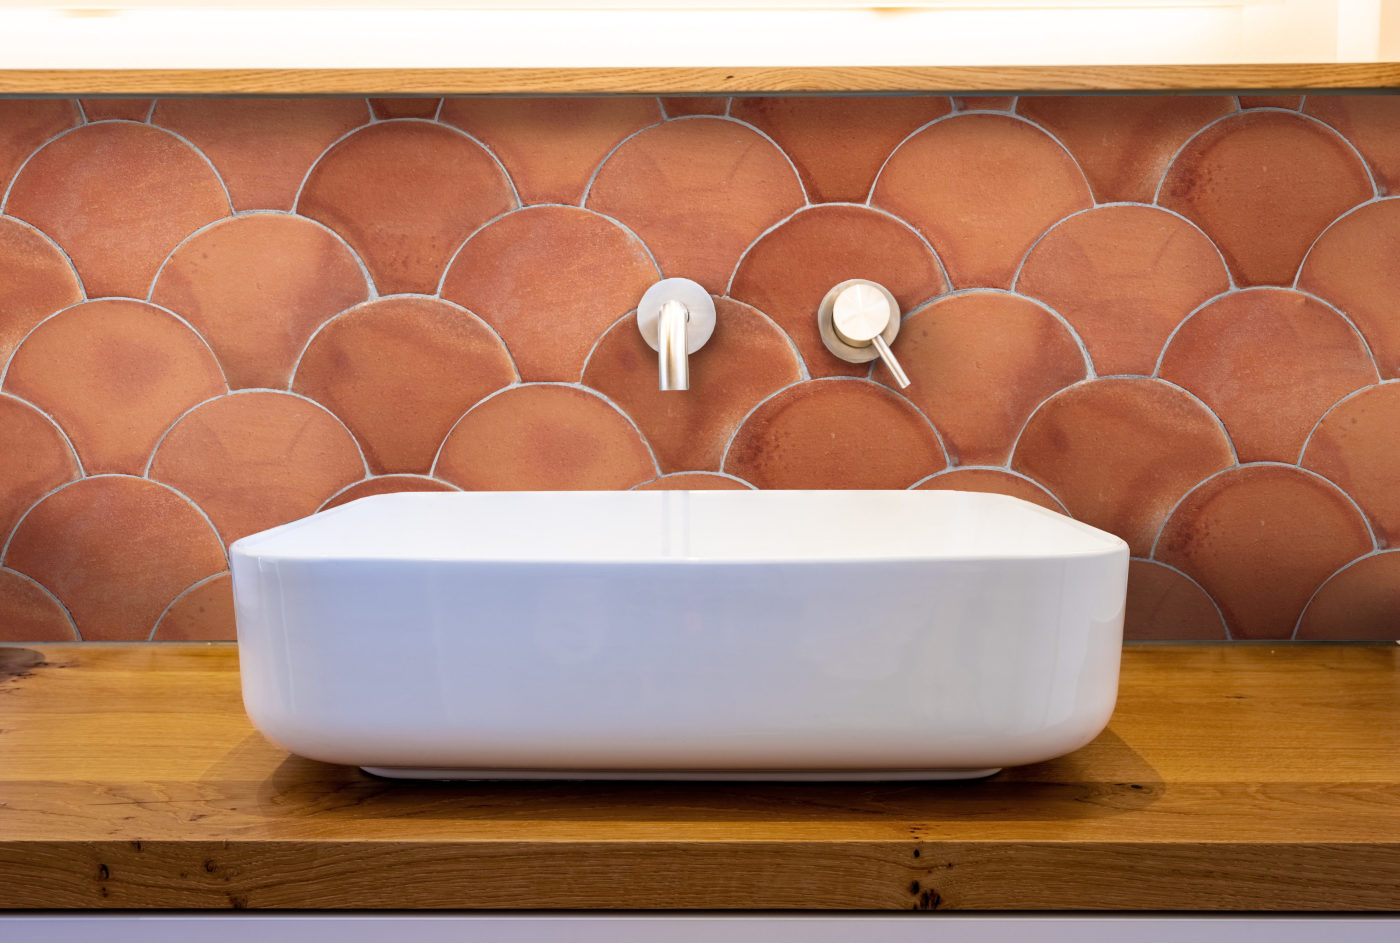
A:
x: 688, y: 81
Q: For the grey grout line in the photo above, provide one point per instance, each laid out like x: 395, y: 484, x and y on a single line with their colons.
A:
x: 63, y: 606
x: 452, y: 256
x: 63, y: 434
x: 150, y: 637
x: 1303, y: 262
x: 376, y: 476
x: 316, y: 162
x: 1220, y: 423
x: 598, y: 168
x: 1298, y: 625
x: 1219, y: 613
x: 1307, y: 441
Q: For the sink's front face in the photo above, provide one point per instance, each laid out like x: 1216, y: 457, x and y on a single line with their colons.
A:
x: 878, y: 633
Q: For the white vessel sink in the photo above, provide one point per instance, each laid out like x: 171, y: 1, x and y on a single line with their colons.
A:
x: 716, y: 634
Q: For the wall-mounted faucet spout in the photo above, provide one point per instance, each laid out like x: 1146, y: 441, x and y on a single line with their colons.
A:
x: 676, y: 317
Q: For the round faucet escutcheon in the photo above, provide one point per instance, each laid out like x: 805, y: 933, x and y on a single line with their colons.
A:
x: 676, y: 316
x: 858, y: 320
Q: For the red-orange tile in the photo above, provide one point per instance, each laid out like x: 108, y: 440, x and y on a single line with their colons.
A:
x: 551, y: 146
x: 1124, y: 277
x: 115, y: 374
x: 30, y: 613
x: 203, y: 613
x: 550, y: 279
x: 1163, y: 604
x: 399, y: 372
x: 1260, y: 539
x: 746, y: 359
x: 117, y: 197
x: 36, y: 280
x: 680, y: 106
x: 694, y: 481
x: 1264, y: 185
x: 262, y: 147
x: 1353, y: 266
x: 1372, y: 124
x: 1290, y: 102
x: 115, y: 551
x: 35, y: 458
x: 255, y: 460
x: 982, y: 188
x: 979, y: 364
x: 1269, y: 362
x: 28, y: 123
x: 1120, y: 452
x: 697, y: 191
x: 122, y: 109
x: 983, y: 102
x: 405, y: 195
x: 1360, y: 602
x: 992, y: 481
x: 790, y: 270
x: 1123, y: 143
x: 545, y: 437
x: 385, y: 108
x: 1357, y: 446
x: 839, y: 143
x: 835, y: 433
x: 258, y: 326
x: 385, y: 484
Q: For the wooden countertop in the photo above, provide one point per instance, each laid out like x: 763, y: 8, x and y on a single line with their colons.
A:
x: 698, y: 81
x: 1232, y: 777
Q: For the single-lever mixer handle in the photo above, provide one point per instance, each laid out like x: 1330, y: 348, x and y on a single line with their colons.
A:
x: 861, y: 314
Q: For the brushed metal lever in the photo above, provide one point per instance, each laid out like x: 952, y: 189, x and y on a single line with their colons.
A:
x: 858, y: 320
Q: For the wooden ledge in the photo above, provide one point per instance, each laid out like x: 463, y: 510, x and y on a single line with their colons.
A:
x: 696, y: 81
x: 1232, y: 777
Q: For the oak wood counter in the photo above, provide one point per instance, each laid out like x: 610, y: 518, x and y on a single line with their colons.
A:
x: 1233, y: 777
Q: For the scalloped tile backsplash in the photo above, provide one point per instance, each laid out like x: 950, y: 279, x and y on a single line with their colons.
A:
x: 1176, y: 317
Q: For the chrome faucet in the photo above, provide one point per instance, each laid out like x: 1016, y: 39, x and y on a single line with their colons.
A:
x: 676, y: 317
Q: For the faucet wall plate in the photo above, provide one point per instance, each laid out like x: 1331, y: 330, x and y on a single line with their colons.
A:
x: 849, y: 352
x: 696, y: 300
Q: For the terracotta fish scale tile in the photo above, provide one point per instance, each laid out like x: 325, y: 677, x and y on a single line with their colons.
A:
x: 1361, y: 601
x: 262, y: 147
x: 1352, y: 265
x: 27, y: 124
x: 835, y: 433
x: 1123, y: 143
x: 399, y: 372
x: 694, y: 481
x: 118, y: 109
x: 1356, y: 445
x: 981, y: 188
x: 385, y: 484
x: 545, y: 437
x: 698, y: 192
x: 995, y: 481
x: 1120, y: 452
x: 1289, y: 102
x: 406, y: 194
x: 36, y: 280
x: 257, y: 287
x: 117, y: 197
x: 30, y: 613
x: 202, y: 613
x: 115, y: 550
x: 680, y: 106
x: 788, y: 272
x: 979, y: 364
x: 1164, y: 604
x: 1372, y: 124
x: 1124, y: 277
x: 550, y: 280
x: 838, y: 144
x: 387, y: 108
x: 255, y: 460
x: 746, y: 359
x: 1269, y: 362
x: 983, y: 102
x: 1260, y: 539
x: 114, y: 374
x: 35, y: 458
x: 1263, y: 185
x: 551, y: 147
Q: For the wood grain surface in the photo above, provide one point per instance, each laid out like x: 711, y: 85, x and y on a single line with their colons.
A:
x: 693, y: 81
x: 1232, y: 777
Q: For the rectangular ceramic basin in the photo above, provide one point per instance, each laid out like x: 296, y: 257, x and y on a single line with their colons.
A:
x: 713, y: 634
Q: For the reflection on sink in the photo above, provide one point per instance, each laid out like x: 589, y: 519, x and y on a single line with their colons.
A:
x: 712, y: 634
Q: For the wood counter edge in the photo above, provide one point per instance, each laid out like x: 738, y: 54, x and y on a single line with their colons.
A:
x: 699, y: 81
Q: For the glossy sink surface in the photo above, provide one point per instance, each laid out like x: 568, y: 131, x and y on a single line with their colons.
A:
x: 711, y: 634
